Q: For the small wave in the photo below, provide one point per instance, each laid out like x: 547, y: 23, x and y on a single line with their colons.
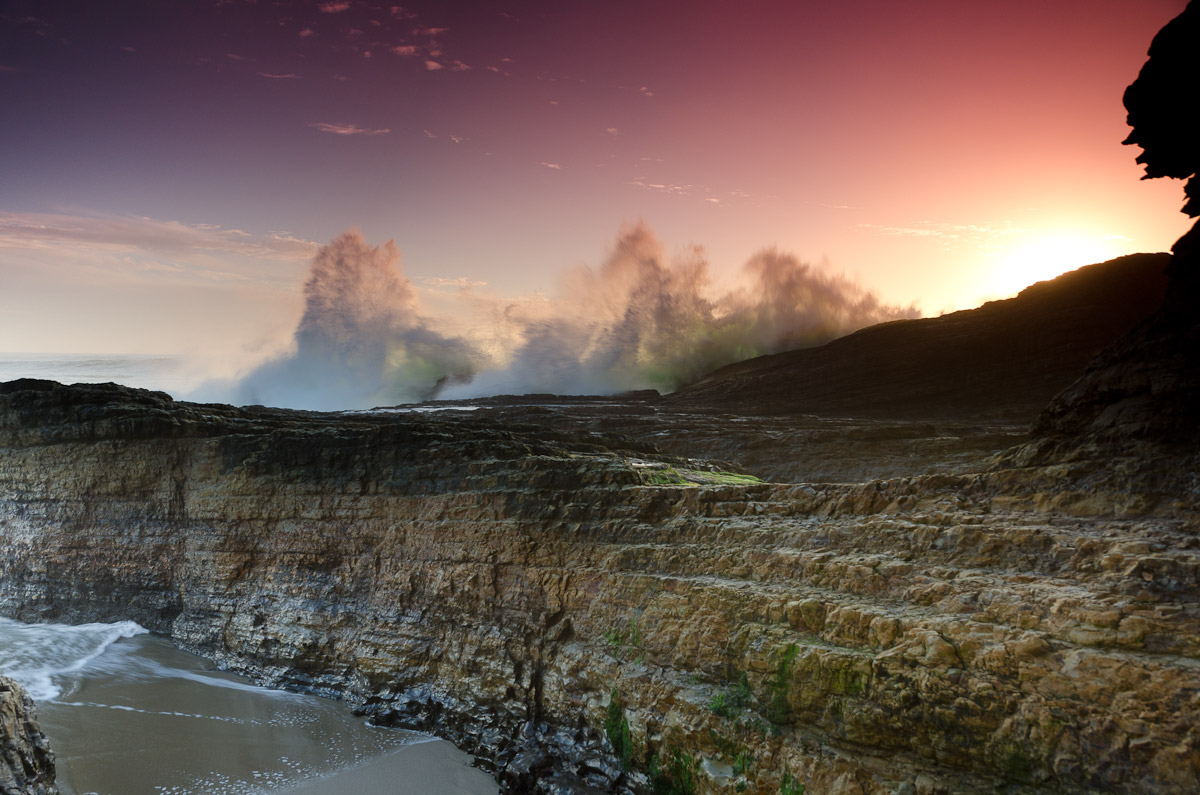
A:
x: 38, y: 655
x: 170, y: 713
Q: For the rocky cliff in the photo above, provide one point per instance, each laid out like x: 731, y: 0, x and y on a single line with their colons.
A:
x: 585, y: 615
x: 26, y: 762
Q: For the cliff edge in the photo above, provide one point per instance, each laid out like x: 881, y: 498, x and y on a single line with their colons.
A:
x: 586, y: 617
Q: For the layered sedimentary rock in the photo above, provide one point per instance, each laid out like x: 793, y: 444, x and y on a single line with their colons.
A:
x: 26, y: 762
x: 580, y: 613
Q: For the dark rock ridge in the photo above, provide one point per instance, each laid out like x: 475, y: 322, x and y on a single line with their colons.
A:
x: 780, y: 448
x: 1004, y: 360
x: 26, y: 762
x: 566, y: 606
x: 1134, y: 416
x: 939, y: 395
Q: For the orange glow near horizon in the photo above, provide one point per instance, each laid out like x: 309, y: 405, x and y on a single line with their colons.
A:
x: 1038, y: 258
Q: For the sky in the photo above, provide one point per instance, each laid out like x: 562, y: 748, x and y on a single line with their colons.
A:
x: 168, y: 170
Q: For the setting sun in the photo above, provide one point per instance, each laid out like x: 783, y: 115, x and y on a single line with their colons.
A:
x: 1036, y: 259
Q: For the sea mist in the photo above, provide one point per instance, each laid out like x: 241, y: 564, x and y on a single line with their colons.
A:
x: 640, y: 321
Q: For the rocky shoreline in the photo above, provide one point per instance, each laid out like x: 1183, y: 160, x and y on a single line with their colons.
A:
x: 26, y: 761
x: 1012, y: 631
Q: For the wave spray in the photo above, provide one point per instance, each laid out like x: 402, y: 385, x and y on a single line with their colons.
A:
x: 639, y: 321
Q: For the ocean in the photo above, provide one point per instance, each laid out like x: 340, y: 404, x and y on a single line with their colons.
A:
x: 175, y: 375
x: 129, y: 713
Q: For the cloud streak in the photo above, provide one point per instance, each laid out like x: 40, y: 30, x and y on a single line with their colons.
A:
x: 347, y: 129
x: 46, y: 231
x: 949, y: 236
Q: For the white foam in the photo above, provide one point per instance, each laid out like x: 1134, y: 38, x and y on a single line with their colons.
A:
x: 38, y: 656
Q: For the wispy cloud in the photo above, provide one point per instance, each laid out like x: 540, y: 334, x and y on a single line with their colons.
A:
x: 333, y: 7
x: 400, y: 12
x: 613, y: 131
x: 270, y: 76
x: 555, y: 166
x: 432, y: 66
x: 9, y: 70
x: 307, y: 32
x: 123, y: 233
x: 233, y: 56
x: 949, y: 236
x: 404, y: 50
x: 346, y: 129
x: 429, y: 31
x: 458, y: 66
x: 673, y: 188
x: 705, y: 193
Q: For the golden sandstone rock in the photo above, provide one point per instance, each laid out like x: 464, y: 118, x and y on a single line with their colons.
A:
x: 497, y: 585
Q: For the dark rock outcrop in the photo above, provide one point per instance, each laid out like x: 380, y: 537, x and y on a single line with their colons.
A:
x: 26, y: 762
x: 1162, y: 106
x: 1134, y: 416
x: 1004, y: 360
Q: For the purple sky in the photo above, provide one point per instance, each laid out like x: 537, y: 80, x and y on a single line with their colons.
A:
x: 169, y: 168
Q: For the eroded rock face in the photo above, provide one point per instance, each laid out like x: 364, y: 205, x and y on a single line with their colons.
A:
x: 26, y: 762
x: 952, y: 633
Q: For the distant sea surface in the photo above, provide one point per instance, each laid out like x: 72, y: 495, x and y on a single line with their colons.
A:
x: 175, y: 375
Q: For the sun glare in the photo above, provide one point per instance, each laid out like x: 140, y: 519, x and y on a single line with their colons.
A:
x: 1040, y: 258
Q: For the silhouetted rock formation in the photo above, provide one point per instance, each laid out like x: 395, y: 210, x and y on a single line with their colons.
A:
x: 1162, y: 105
x: 1137, y: 409
x: 1002, y: 360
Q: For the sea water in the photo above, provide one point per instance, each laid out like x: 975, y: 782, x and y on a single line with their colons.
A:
x: 172, y: 374
x: 129, y: 713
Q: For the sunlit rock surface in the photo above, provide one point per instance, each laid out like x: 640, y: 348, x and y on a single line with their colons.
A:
x: 1013, y: 631
x: 26, y: 762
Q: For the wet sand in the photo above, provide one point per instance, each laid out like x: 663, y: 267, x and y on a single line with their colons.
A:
x: 434, y: 766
